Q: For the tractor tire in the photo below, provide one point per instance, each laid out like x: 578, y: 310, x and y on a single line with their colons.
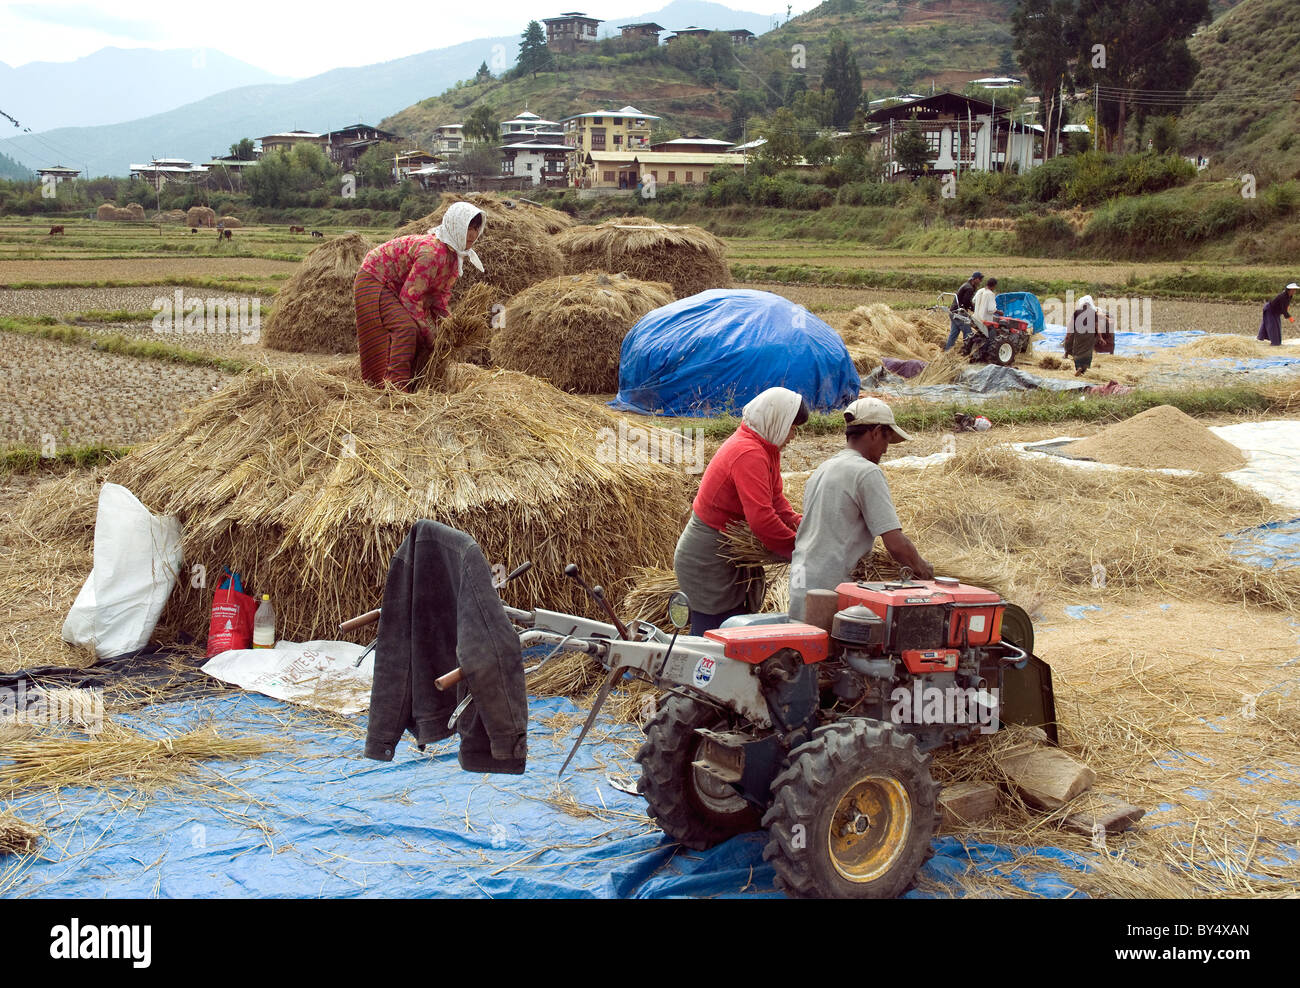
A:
x: 822, y: 840
x: 689, y: 805
x: 1001, y: 351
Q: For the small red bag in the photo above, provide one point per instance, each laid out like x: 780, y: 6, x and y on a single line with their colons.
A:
x: 231, y: 625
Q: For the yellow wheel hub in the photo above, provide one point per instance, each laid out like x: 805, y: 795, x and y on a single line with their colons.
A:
x: 869, y: 828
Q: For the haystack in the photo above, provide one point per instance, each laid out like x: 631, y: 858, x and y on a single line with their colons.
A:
x: 230, y: 222
x: 307, y: 481
x: 314, y: 312
x: 551, y: 220
x: 170, y: 216
x: 130, y: 214
x: 137, y: 212
x: 201, y: 216
x: 690, y: 259
x: 515, y: 247
x: 1210, y: 347
x: 1160, y: 438
x: 569, y: 330
x: 873, y: 332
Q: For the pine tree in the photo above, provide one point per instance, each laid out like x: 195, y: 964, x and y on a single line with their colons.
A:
x: 483, y: 74
x: 533, y: 55
x: 843, y: 79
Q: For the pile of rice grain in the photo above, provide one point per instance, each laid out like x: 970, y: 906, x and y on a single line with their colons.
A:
x: 1160, y: 438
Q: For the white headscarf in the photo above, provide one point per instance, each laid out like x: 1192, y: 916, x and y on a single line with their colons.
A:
x: 1087, y: 303
x: 453, y: 231
x: 772, y: 412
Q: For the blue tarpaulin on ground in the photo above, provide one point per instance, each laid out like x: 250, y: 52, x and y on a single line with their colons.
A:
x: 1269, y: 544
x: 711, y: 353
x: 1141, y: 343
x: 315, y: 818
x: 1021, y: 305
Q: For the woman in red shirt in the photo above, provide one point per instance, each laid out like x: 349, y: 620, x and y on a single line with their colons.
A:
x: 741, y: 483
x: 402, y: 292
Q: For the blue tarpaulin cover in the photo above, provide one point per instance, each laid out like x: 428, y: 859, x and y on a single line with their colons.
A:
x: 1021, y: 305
x: 1269, y: 544
x: 711, y: 353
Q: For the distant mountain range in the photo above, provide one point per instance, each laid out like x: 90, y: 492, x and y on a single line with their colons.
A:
x: 186, y: 123
x: 118, y: 84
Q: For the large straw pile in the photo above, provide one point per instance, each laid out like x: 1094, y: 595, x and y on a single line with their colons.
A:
x: 315, y: 311
x: 1162, y: 438
x: 201, y: 216
x: 1211, y: 347
x: 230, y: 222
x: 132, y: 213
x: 515, y: 246
x: 306, y: 482
x: 569, y: 330
x: 551, y: 220
x: 873, y: 332
x: 690, y: 259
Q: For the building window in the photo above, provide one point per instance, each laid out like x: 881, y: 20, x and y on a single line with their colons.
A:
x: 618, y: 121
x: 609, y: 177
x: 672, y: 176
x: 690, y: 176
x: 597, y: 120
x: 618, y: 139
x: 654, y: 175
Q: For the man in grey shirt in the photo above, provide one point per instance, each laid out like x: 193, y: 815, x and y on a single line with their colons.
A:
x: 846, y: 505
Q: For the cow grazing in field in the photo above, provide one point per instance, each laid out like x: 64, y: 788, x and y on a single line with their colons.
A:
x: 55, y: 229
x: 194, y: 229
x: 297, y: 229
x: 314, y: 233
x: 227, y: 234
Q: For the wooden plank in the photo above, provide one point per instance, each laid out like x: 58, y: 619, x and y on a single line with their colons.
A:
x: 1110, y: 813
x: 964, y: 803
x: 1045, y: 777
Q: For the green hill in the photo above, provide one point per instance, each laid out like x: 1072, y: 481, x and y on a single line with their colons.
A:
x: 947, y: 42
x: 1250, y: 66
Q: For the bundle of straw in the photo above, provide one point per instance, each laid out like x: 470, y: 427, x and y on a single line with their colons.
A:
x: 201, y: 216
x: 315, y: 310
x: 17, y: 836
x: 514, y: 246
x: 1238, y: 347
x: 569, y: 330
x: 872, y: 332
x: 690, y: 259
x: 307, y: 481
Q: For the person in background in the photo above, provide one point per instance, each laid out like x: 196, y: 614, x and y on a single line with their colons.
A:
x: 1270, y: 326
x: 847, y: 505
x: 962, y: 303
x: 985, y: 303
x: 402, y: 292
x: 1081, y: 335
x: 741, y: 483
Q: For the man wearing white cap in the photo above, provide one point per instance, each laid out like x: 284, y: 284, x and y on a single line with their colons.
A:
x: 846, y: 505
x: 1270, y: 326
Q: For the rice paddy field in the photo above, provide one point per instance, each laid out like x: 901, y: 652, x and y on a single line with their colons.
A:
x: 244, y: 439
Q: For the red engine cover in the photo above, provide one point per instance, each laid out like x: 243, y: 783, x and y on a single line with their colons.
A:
x: 759, y: 641
x: 976, y: 615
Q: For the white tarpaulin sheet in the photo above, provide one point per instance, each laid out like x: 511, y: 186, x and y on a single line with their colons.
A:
x: 319, y: 674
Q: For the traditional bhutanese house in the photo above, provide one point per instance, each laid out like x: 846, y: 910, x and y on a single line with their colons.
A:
x: 569, y: 31
x: 622, y: 130
x: 544, y: 163
x: 345, y: 146
x: 407, y: 162
x: 693, y: 144
x: 58, y: 173
x: 690, y: 32
x: 622, y: 170
x: 286, y: 140
x: 742, y: 37
x: 644, y: 35
x: 964, y: 134
x: 160, y: 171
x: 449, y: 139
x: 529, y: 126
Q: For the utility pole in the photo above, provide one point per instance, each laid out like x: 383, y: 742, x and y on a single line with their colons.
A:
x: 1096, y: 114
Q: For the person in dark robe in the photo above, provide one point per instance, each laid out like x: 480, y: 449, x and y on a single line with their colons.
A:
x: 1270, y: 326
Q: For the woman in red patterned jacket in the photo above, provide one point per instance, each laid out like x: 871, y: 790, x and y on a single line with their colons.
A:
x: 742, y: 483
x: 402, y: 292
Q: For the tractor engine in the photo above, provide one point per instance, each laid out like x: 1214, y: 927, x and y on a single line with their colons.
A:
x: 925, y: 656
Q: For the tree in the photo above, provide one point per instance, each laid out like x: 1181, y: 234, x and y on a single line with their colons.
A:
x: 911, y: 149
x: 482, y: 125
x: 483, y: 74
x: 796, y: 84
x: 375, y: 168
x: 1143, y: 47
x: 1043, y: 32
x: 242, y: 150
x: 842, y: 78
x: 1163, y: 134
x: 533, y: 54
x: 784, y: 145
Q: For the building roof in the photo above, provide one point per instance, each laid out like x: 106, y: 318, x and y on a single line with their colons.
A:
x: 646, y: 24
x: 627, y: 111
x: 1075, y: 129
x: 299, y: 134
x: 535, y: 147
x: 931, y: 107
x: 186, y: 169
x: 714, y: 142
x: 996, y: 82
x: 751, y: 146
x: 576, y: 16
x: 59, y: 168
x: 661, y: 157
x: 742, y: 32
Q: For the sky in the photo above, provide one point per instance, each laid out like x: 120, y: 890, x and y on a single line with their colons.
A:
x: 288, y: 37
